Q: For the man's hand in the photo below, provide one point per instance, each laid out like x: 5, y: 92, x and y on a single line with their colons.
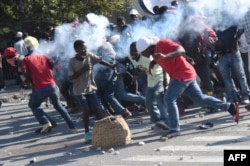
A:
x: 159, y: 56
x: 190, y: 60
x: 113, y: 66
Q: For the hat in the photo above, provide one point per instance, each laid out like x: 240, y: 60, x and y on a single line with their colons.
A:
x: 19, y: 34
x: 31, y: 42
x: 143, y: 43
x: 9, y: 52
x: 133, y: 12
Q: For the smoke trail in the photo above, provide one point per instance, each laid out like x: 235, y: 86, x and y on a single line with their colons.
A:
x: 94, y: 31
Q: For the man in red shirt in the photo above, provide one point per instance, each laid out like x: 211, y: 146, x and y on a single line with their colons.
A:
x: 38, y: 69
x: 171, y: 57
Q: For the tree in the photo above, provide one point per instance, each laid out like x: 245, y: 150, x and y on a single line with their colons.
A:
x: 26, y: 15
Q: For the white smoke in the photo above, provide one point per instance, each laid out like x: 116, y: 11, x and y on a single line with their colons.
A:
x: 94, y: 31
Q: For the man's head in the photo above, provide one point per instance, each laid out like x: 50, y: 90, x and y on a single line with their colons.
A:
x: 10, y: 54
x: 134, y: 15
x: 145, y: 46
x: 133, y: 51
x: 31, y: 43
x: 174, y: 3
x: 19, y: 35
x: 120, y: 21
x: 80, y: 47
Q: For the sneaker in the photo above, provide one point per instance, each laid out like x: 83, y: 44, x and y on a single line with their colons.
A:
x: 87, y: 137
x: 162, y: 125
x: 156, y: 127
x: 53, y: 123
x: 248, y: 107
x: 171, y: 134
x: 234, y: 111
x: 72, y: 131
x: 126, y: 114
x: 38, y: 131
x: 46, y: 127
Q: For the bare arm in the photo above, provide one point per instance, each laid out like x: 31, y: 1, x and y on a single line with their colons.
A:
x: 27, y: 76
x: 107, y: 64
x: 178, y: 52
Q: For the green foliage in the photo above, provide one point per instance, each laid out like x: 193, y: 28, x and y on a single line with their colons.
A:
x: 29, y: 14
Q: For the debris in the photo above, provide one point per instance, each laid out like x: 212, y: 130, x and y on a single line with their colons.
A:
x: 111, y: 150
x: 142, y: 143
x: 33, y: 160
x: 164, y: 138
x: 116, y: 153
x: 159, y: 164
x: 201, y: 114
x: 86, y: 149
x: 206, y: 125
x: 69, y: 154
x: 158, y: 149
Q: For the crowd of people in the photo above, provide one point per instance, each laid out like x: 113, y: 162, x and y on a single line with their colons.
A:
x: 152, y: 64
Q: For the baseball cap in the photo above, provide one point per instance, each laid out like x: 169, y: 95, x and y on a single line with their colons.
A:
x: 9, y: 52
x: 19, y: 34
x: 143, y: 43
x: 133, y: 12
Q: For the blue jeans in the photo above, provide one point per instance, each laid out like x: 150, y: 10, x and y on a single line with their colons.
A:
x: 39, y: 96
x: 67, y: 92
x: 106, y: 86
x: 193, y: 91
x: 123, y: 95
x: 232, y: 63
x: 90, y: 101
x: 155, y: 103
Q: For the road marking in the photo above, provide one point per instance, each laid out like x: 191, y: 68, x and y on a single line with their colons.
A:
x: 200, y: 148
x: 186, y: 159
x: 220, y: 138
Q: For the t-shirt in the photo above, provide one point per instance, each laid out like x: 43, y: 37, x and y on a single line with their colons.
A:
x: 38, y: 67
x: 143, y: 64
x: 178, y: 67
x: 83, y: 84
x: 226, y: 39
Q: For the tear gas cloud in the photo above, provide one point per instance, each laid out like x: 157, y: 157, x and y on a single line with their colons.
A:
x: 95, y: 30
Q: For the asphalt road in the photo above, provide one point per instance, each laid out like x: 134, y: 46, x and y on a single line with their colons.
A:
x: 20, y: 145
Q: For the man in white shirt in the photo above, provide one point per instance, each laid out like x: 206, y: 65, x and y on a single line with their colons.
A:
x: 155, y: 87
x: 19, y: 45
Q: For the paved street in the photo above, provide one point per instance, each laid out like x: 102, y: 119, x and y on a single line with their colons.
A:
x: 19, y: 144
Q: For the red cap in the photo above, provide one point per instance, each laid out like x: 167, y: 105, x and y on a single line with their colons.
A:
x: 9, y: 52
